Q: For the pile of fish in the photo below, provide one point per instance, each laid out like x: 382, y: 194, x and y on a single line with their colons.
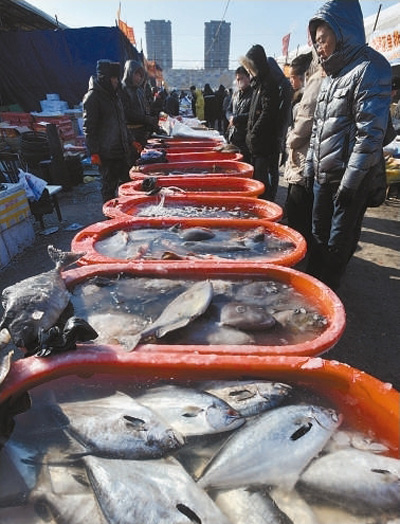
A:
x: 218, y: 452
x: 165, y: 207
x: 195, y: 242
x: 126, y: 309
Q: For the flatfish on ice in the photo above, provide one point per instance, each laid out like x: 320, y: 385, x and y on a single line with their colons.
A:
x: 183, y: 309
x: 35, y: 303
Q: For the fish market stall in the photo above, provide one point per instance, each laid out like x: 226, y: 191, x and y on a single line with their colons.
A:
x: 206, y: 186
x: 16, y: 228
x: 248, y: 309
x: 188, y: 206
x: 198, y: 168
x: 189, y: 243
x: 94, y: 435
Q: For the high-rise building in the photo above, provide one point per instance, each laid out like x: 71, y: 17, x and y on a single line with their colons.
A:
x: 159, y: 42
x: 217, y: 40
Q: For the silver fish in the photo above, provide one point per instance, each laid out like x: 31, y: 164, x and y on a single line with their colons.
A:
x: 295, y: 507
x: 181, y: 311
x: 196, y: 234
x: 151, y: 492
x: 69, y: 501
x: 246, y: 316
x: 201, y: 331
x: 37, y: 302
x: 272, y: 449
x: 251, y: 507
x: 118, y: 426
x: 191, y: 412
x: 363, y: 482
x: 249, y: 397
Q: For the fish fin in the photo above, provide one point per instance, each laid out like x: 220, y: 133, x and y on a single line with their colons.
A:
x: 130, y: 343
x: 191, y: 411
x: 61, y: 258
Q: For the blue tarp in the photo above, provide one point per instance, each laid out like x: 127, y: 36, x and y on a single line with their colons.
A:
x: 34, y: 63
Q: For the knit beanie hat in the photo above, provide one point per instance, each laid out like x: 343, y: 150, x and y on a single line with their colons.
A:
x: 108, y: 69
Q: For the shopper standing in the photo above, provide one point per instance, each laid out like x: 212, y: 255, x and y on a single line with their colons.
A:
x: 237, y: 113
x: 105, y: 129
x: 262, y: 125
x: 350, y: 123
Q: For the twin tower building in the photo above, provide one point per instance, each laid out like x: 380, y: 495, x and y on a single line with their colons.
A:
x: 217, y: 37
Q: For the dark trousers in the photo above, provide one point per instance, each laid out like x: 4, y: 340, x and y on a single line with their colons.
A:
x: 335, y: 232
x: 113, y: 172
x: 298, y: 209
x: 266, y: 170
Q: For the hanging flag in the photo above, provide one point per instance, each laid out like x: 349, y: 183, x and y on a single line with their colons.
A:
x: 131, y: 35
x: 285, y: 44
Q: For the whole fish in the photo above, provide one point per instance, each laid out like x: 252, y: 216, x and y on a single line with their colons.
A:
x: 69, y: 501
x: 36, y: 303
x: 272, y: 449
x: 243, y: 505
x: 246, y: 316
x: 362, y: 482
x: 118, y: 426
x: 202, y: 331
x: 191, y: 412
x: 181, y: 311
x: 249, y: 397
x: 150, y: 492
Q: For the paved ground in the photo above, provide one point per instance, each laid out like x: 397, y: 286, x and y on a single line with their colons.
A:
x: 370, y: 291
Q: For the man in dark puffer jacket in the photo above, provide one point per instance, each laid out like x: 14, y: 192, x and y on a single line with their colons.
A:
x: 262, y: 125
x: 105, y: 130
x: 350, y: 122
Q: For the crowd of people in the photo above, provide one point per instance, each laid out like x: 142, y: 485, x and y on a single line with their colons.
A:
x: 325, y: 126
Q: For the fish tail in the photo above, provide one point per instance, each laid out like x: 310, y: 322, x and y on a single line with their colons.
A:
x: 61, y: 258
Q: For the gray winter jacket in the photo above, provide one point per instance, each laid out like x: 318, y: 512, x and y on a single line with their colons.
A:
x: 353, y: 104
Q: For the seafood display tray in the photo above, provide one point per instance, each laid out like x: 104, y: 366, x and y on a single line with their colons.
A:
x: 194, y: 169
x: 232, y: 207
x: 369, y: 404
x: 191, y: 156
x: 317, y: 294
x: 192, y: 186
x: 85, y: 241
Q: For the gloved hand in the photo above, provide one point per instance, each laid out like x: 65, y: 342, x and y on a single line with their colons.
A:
x: 95, y: 159
x: 137, y: 146
x: 309, y: 184
x: 344, y: 196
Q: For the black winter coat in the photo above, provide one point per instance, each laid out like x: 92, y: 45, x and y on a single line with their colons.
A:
x: 104, y: 122
x: 262, y: 125
x: 239, y: 109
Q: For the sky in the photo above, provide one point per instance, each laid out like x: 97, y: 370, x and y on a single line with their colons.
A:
x: 263, y: 22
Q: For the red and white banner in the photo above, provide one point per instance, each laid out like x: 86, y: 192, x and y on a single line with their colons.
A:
x: 387, y: 42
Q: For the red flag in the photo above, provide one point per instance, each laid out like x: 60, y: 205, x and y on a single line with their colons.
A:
x: 285, y: 44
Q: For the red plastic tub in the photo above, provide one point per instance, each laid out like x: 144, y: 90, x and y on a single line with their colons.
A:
x: 206, y: 186
x: 88, y: 241
x: 198, y: 206
x: 194, y: 169
x: 367, y: 404
x: 182, y: 147
x: 214, y: 156
x: 318, y: 295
